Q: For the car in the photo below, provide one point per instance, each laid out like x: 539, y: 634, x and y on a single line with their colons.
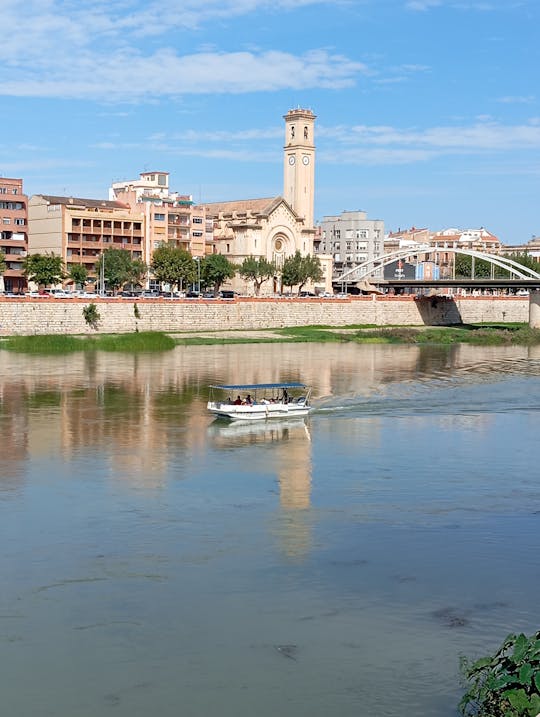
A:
x: 522, y: 292
x: 192, y: 295
x: 227, y: 294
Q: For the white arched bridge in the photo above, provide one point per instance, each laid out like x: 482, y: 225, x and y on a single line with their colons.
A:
x: 371, y: 269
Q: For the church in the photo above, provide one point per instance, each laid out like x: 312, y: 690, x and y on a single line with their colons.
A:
x: 274, y: 227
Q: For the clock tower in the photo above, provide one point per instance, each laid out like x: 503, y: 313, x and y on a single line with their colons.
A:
x: 299, y: 163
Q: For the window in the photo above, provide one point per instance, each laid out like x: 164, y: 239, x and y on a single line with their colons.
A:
x: 197, y: 220
x: 3, y: 190
x: 197, y: 234
x: 6, y: 220
x: 159, y: 217
x: 20, y: 222
x: 228, y: 249
x: 349, y: 245
x: 15, y: 190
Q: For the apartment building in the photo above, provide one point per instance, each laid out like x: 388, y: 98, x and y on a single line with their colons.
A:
x: 13, y: 232
x: 170, y: 218
x: 79, y: 230
x: 350, y: 239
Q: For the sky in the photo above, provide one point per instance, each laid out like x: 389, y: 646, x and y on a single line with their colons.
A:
x: 428, y: 111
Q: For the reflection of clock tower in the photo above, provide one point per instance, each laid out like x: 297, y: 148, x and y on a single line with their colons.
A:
x: 299, y: 163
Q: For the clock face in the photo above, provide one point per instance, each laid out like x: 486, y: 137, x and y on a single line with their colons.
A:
x: 291, y: 160
x: 305, y: 160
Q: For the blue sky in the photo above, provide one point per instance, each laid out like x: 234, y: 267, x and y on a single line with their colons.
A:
x: 428, y: 110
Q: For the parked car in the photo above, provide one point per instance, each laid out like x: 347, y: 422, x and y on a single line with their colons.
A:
x: 227, y: 294
x: 192, y: 295
x: 522, y: 292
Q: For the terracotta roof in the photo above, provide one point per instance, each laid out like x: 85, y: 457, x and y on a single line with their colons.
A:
x: 241, y: 206
x: 78, y: 201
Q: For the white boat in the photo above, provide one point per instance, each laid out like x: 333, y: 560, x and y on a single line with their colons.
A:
x: 260, y: 401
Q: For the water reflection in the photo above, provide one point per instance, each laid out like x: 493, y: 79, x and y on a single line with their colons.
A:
x: 149, y: 408
x: 290, y: 463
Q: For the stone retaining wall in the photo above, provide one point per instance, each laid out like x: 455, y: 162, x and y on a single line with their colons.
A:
x: 64, y: 316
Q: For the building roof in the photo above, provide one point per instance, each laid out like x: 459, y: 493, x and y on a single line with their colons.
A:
x: 80, y: 202
x: 242, y: 206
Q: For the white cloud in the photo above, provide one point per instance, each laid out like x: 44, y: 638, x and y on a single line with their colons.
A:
x: 95, y: 50
x: 517, y: 99
x: 129, y: 75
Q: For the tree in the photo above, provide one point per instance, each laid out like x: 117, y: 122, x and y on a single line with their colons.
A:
x: 173, y: 266
x: 215, y: 268
x: 78, y: 274
x: 257, y: 270
x: 310, y: 270
x: 43, y: 269
x: 116, y: 266
x: 138, y: 271
x: 298, y: 269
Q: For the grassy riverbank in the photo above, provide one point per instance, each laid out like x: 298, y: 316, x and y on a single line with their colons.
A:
x: 480, y: 335
x: 53, y: 344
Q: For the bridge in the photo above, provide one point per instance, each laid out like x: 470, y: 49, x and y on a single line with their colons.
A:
x: 371, y: 270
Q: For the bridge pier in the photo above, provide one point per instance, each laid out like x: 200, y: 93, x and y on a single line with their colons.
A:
x: 534, y: 309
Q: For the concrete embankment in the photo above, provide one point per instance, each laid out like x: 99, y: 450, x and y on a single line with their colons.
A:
x: 65, y: 316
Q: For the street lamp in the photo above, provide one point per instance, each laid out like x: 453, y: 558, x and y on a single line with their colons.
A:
x: 198, y: 260
x: 102, y: 275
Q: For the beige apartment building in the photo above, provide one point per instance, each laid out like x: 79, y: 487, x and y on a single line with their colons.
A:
x: 170, y: 218
x: 13, y: 233
x: 79, y: 230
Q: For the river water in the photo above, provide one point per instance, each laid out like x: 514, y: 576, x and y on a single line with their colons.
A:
x: 155, y: 562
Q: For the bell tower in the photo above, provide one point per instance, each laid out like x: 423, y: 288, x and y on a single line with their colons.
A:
x: 299, y: 163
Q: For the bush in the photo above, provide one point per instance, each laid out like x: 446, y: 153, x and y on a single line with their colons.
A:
x: 91, y: 315
x: 506, y: 684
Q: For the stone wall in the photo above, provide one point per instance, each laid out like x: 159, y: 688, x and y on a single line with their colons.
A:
x: 64, y: 316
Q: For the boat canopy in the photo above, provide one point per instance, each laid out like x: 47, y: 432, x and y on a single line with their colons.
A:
x: 255, y: 386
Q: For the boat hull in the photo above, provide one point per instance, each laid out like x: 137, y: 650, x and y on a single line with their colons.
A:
x: 257, y: 412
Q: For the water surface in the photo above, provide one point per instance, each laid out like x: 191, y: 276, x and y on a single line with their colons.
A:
x: 157, y: 562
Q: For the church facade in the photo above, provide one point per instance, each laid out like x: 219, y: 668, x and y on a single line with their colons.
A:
x: 274, y: 227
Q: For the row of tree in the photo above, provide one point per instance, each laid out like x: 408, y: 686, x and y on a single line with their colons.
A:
x: 173, y: 266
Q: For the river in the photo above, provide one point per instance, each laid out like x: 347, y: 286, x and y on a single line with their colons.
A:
x: 156, y: 562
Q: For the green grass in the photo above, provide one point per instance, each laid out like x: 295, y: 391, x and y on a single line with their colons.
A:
x: 477, y: 334
x: 46, y: 344
x: 53, y: 344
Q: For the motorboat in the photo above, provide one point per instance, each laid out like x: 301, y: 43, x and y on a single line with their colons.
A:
x: 259, y: 401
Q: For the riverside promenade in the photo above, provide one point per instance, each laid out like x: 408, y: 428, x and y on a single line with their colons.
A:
x: 30, y: 316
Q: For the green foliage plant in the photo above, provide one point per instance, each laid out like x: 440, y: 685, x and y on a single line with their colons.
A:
x: 91, y: 315
x: 3, y: 264
x: 298, y: 270
x: 117, y: 267
x: 507, y: 683
x: 78, y: 274
x: 43, y: 269
x: 258, y: 270
x: 174, y: 266
x: 215, y: 269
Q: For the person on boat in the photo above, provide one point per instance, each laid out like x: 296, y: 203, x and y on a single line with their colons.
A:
x: 238, y: 401
x: 285, y: 396
x: 248, y: 400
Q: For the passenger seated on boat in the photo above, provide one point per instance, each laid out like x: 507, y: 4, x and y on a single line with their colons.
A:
x: 285, y: 396
x: 238, y: 401
x: 248, y: 400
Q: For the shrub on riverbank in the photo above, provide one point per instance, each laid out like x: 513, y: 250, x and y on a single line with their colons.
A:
x: 506, y: 684
x: 53, y: 344
x: 479, y: 336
